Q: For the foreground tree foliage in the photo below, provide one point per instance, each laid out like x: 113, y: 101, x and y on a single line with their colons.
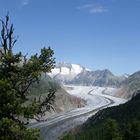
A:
x: 17, y: 74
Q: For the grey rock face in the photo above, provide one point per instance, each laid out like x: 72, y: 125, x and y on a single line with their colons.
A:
x: 97, y: 78
x: 78, y: 75
x: 130, y: 86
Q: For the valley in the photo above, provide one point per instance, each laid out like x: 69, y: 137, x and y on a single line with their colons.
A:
x: 96, y: 99
x: 69, y: 70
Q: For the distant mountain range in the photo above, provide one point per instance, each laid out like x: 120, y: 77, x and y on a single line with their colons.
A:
x: 74, y: 74
x: 67, y: 73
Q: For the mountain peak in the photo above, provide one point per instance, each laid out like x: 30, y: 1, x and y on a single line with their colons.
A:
x: 68, y: 73
x: 64, y: 68
x: 63, y: 64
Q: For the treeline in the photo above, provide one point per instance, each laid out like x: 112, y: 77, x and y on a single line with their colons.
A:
x: 116, y: 123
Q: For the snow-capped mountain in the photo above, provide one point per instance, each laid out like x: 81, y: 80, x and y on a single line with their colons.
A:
x: 67, y: 68
x: 75, y: 74
x: 65, y: 72
x: 126, y: 75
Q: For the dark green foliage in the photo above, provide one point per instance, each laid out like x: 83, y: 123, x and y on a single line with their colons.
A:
x: 111, y: 130
x: 132, y: 131
x: 11, y: 130
x: 17, y: 75
x: 123, y: 125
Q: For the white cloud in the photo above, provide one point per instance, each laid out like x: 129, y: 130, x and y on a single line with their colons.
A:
x: 25, y: 2
x: 93, y: 8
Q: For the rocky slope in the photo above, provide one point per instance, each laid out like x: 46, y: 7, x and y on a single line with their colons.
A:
x: 98, y: 78
x: 78, y: 75
x: 63, y: 101
x: 130, y: 86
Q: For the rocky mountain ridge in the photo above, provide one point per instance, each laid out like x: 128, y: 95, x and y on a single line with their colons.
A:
x: 74, y: 74
x: 130, y: 86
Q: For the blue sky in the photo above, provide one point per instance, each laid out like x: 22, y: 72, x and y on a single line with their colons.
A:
x: 97, y: 34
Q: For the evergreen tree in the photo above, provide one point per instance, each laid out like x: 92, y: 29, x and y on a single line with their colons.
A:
x: 111, y: 130
x: 132, y: 131
x: 17, y: 74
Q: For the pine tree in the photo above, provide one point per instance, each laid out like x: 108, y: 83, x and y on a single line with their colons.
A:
x: 17, y: 74
x: 111, y: 130
x: 132, y: 131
